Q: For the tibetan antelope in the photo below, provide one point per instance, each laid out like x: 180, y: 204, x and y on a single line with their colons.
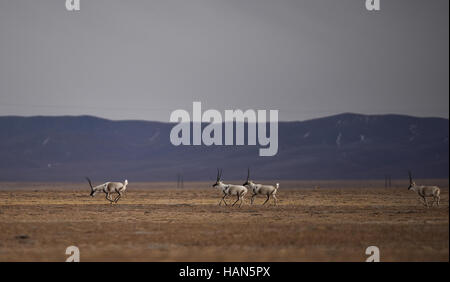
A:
x: 230, y: 190
x: 425, y: 191
x: 259, y: 189
x: 109, y: 188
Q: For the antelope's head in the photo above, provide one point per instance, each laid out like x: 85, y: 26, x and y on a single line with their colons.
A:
x: 218, y: 179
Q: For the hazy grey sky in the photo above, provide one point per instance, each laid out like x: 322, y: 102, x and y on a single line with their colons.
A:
x: 142, y: 59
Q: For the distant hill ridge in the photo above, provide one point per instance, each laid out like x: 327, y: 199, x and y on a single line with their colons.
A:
x: 345, y: 146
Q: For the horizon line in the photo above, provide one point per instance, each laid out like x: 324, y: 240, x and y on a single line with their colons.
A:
x: 286, y: 121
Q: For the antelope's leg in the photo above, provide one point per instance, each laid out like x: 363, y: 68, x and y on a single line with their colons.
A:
x: 253, y: 198
x: 118, y: 197
x: 108, y: 198
x: 268, y: 197
x: 435, y: 200
x: 426, y: 202
x: 223, y: 199
x: 275, y: 199
x: 238, y: 197
x: 242, y: 200
x: 432, y: 202
x: 226, y: 196
x: 421, y: 200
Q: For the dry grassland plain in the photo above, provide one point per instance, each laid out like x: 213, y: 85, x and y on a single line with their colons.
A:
x: 314, y: 221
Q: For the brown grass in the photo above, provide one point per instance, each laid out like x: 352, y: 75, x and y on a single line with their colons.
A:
x: 331, y: 223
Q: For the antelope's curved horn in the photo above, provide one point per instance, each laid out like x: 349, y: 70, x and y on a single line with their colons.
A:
x: 90, y: 183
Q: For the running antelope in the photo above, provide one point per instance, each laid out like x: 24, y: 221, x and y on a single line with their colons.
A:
x: 259, y: 189
x: 109, y: 188
x: 230, y: 190
x: 425, y: 191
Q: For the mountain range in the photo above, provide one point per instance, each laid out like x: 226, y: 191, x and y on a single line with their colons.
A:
x: 344, y: 146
